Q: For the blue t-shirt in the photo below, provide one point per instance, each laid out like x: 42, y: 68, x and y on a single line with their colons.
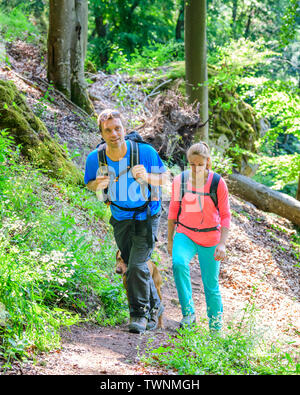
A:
x: 126, y: 191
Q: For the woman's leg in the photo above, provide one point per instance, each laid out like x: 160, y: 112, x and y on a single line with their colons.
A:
x: 210, y: 276
x: 183, y: 251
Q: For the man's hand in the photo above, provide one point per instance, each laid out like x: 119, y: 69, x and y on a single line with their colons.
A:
x: 139, y: 173
x: 102, y: 182
x: 220, y: 252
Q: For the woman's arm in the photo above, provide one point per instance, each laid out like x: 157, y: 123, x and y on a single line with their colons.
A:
x: 171, y: 230
x: 225, y: 216
x: 220, y: 251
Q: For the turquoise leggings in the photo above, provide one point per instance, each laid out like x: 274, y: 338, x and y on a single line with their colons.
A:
x: 184, y: 249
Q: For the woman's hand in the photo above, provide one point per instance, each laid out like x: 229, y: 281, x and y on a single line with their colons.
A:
x: 220, y: 252
x: 170, y: 247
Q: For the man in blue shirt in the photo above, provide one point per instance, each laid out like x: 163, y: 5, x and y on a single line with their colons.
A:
x: 131, y: 208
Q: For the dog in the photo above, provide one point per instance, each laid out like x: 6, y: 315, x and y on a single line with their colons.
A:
x: 121, y: 268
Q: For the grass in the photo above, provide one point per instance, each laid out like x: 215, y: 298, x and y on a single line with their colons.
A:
x: 239, y: 350
x: 55, y: 269
x: 15, y: 24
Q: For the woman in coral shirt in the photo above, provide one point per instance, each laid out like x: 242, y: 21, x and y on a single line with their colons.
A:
x: 202, y: 228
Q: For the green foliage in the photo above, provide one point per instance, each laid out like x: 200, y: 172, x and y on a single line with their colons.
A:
x: 240, y: 350
x: 129, y: 25
x: 245, y: 19
x: 282, y: 170
x: 149, y: 57
x: 53, y: 270
x: 289, y: 23
x: 245, y: 68
x: 279, y: 102
x: 222, y: 164
x: 16, y: 24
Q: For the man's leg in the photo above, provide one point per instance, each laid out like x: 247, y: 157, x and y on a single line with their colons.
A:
x: 123, y: 236
x: 141, y: 289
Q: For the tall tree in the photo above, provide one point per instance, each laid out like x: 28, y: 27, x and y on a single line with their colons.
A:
x: 67, y: 41
x: 179, y: 28
x: 195, y: 60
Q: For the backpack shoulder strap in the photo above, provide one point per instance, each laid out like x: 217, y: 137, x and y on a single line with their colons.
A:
x: 214, y: 187
x: 134, y: 153
x: 102, y: 162
x: 183, y: 186
x: 101, y: 155
x: 183, y: 183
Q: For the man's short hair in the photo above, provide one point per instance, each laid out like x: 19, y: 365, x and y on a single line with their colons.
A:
x: 108, y: 114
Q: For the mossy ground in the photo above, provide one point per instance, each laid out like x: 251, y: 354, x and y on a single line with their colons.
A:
x: 30, y: 132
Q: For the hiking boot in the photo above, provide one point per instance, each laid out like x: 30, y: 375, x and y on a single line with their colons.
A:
x: 137, y: 324
x: 155, y: 313
x: 188, y: 321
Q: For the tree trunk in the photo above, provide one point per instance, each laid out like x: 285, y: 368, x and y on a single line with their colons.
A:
x: 67, y: 41
x: 195, y: 60
x: 264, y: 198
x: 250, y: 16
x: 180, y: 23
x: 101, y: 28
x: 233, y: 19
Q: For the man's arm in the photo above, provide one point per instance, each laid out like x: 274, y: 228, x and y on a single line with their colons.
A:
x: 155, y: 179
x: 101, y: 182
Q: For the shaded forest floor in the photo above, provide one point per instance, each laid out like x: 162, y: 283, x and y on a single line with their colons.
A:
x: 260, y: 268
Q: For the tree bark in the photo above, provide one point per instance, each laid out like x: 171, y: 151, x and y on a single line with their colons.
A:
x: 264, y: 198
x: 67, y: 42
x: 180, y: 23
x: 195, y: 60
x: 233, y: 19
x: 247, y: 29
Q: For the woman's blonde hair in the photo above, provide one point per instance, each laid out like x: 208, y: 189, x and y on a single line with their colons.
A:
x: 201, y: 149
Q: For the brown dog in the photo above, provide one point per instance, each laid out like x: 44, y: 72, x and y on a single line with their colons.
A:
x: 121, y: 268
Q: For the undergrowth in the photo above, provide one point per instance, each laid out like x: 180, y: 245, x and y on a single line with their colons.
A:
x: 239, y: 350
x: 16, y: 24
x: 55, y: 269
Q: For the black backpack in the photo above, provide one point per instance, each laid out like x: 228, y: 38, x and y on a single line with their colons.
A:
x: 212, y: 193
